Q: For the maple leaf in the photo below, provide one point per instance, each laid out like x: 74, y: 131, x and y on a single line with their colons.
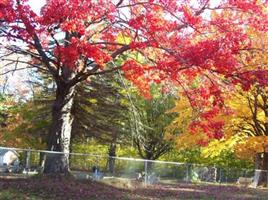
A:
x: 172, y: 40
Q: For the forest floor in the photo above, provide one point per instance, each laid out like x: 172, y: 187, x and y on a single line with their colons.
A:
x: 60, y: 188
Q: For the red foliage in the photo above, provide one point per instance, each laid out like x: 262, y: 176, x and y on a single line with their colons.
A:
x: 137, y: 74
x: 179, y: 42
x: 190, y: 18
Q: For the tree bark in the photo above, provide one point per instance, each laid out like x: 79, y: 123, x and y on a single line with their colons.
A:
x: 261, y: 174
x: 150, y: 167
x: 27, y: 161
x: 111, y: 159
x: 42, y: 159
x: 60, y: 132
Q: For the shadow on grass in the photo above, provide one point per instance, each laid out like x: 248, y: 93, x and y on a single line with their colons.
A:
x: 200, y: 191
x: 58, y: 188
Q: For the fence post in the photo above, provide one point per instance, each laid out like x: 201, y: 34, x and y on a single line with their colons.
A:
x: 220, y: 176
x: 267, y: 178
x: 146, y: 171
x: 187, y: 172
x: 27, y: 164
x: 215, y: 174
x: 227, y: 174
x: 42, y: 160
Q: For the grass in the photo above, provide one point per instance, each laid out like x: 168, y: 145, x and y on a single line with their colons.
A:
x: 39, y: 188
x: 7, y: 194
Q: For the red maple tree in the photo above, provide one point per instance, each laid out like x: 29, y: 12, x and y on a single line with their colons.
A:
x: 194, y: 44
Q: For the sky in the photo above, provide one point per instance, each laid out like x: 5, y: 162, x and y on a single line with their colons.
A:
x: 36, y: 5
x: 17, y: 81
x: 18, y: 78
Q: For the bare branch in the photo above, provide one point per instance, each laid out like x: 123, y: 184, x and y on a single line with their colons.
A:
x: 43, y: 55
x: 16, y: 62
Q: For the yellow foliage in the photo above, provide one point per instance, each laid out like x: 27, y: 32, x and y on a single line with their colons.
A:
x: 123, y: 39
x: 185, y: 112
x: 215, y: 147
x: 93, y: 101
x: 248, y: 108
x: 185, y: 117
x: 251, y: 146
x: 188, y: 140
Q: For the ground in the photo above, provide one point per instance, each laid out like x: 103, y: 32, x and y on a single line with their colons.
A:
x: 39, y: 188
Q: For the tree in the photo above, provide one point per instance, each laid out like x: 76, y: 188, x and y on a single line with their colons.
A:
x: 245, y: 129
x: 3, y: 111
x: 149, y: 139
x: 100, y: 112
x: 6, y: 105
x: 177, y: 39
x: 249, y: 122
x: 24, y: 124
x: 252, y: 127
x: 99, y: 109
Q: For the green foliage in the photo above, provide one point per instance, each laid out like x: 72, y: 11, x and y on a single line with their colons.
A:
x: 7, y: 105
x: 17, y: 123
x: 27, y: 126
x: 100, y: 110
x: 127, y: 151
x: 96, y: 148
x: 148, y: 121
x: 91, y: 146
x: 224, y: 160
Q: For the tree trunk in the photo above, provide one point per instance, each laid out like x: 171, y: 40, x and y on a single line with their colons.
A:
x: 42, y: 159
x: 60, y: 132
x: 261, y: 174
x: 28, y: 161
x: 149, y: 165
x: 111, y: 159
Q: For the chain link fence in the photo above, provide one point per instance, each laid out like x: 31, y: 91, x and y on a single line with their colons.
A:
x: 27, y: 162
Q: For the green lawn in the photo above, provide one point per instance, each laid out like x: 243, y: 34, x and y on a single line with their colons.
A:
x: 14, y: 194
x: 39, y: 188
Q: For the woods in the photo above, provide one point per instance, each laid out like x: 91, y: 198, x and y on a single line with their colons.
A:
x: 158, y: 76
